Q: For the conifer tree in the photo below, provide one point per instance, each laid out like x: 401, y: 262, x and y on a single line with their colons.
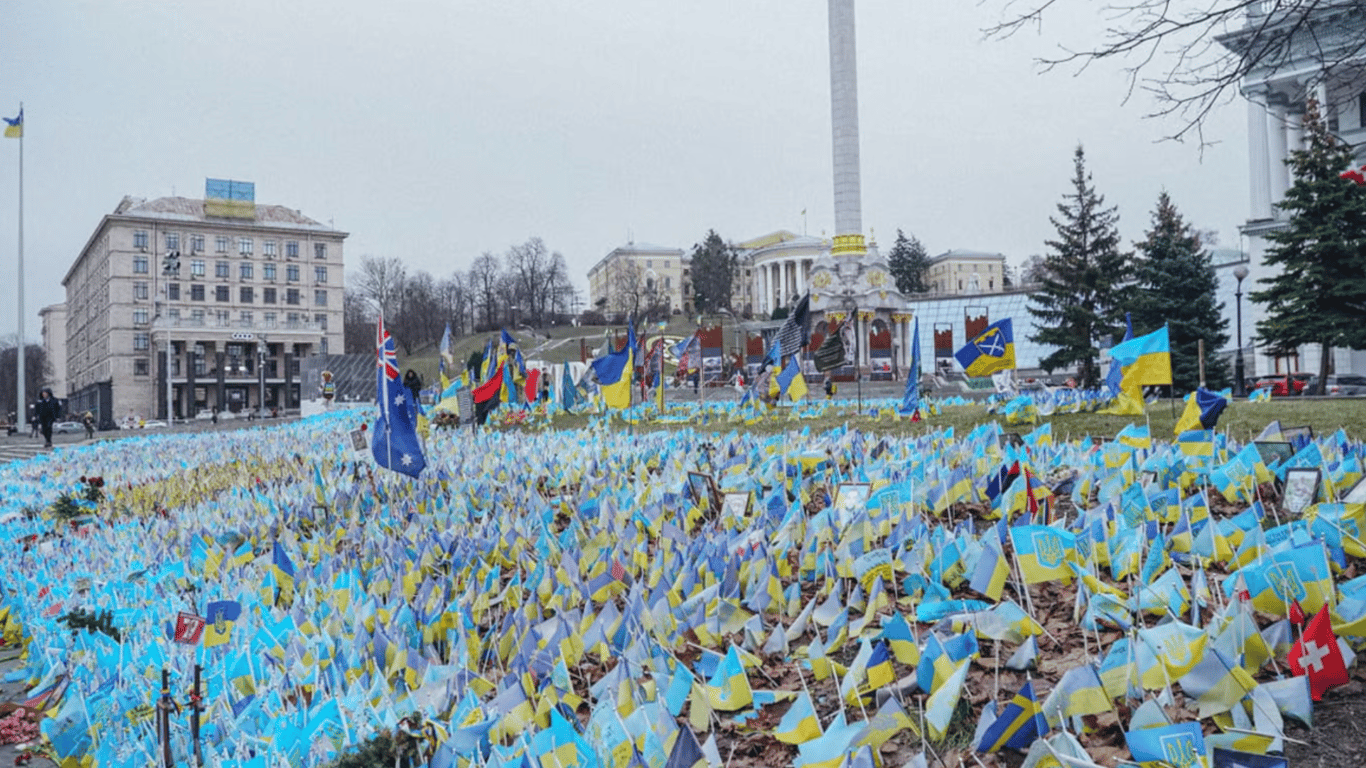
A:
x: 908, y: 261
x: 1317, y: 294
x: 1176, y: 285
x: 1080, y: 300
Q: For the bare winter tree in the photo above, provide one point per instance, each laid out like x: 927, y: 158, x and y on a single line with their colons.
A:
x: 483, y: 285
x: 358, y: 322
x: 1193, y: 55
x: 382, y: 281
x: 35, y: 376
x: 421, y: 320
x: 453, y: 296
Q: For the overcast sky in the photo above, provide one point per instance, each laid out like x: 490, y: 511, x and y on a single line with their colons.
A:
x: 435, y: 131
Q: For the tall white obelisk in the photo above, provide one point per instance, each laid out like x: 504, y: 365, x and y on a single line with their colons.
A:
x: 844, y: 121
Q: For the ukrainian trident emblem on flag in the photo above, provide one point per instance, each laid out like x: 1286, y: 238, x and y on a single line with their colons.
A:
x: 1180, y: 750
x: 1048, y: 548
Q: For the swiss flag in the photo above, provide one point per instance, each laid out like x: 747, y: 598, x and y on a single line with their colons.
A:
x: 188, y: 628
x: 1296, y: 613
x: 1318, y: 656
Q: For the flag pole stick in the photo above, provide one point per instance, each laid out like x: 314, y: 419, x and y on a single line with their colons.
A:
x: 20, y: 409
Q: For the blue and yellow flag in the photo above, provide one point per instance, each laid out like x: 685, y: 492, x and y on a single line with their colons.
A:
x: 219, y: 617
x: 790, y: 381
x: 1181, y: 745
x: 1043, y: 552
x: 1018, y: 725
x: 614, y: 372
x: 991, y: 351
x: 14, y: 126
x: 1147, y: 360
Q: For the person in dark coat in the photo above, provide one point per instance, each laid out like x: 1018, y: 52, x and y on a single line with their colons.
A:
x: 47, y: 411
x: 414, y: 384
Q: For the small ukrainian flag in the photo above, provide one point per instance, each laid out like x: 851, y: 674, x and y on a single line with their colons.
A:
x: 14, y: 126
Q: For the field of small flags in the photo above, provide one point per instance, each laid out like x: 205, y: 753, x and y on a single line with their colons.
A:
x: 627, y: 595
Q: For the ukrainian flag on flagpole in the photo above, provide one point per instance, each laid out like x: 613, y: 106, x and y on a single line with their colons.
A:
x: 990, y: 351
x: 1147, y: 360
x: 614, y: 372
x: 14, y: 126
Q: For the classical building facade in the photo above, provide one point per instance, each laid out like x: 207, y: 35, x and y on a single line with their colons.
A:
x: 1324, y: 63
x: 779, y: 265
x: 966, y: 272
x: 257, y: 288
x: 635, y: 276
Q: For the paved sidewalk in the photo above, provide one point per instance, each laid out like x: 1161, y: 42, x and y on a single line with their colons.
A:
x: 14, y: 693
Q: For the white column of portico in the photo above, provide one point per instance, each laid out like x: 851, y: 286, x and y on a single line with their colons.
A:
x: 761, y: 278
x: 801, y: 277
x: 1259, y: 176
x: 1276, y: 154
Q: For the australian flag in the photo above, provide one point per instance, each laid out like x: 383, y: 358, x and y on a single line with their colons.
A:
x: 395, y: 443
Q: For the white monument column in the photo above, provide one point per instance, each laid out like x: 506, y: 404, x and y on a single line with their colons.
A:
x: 844, y: 122
x: 1259, y: 174
x: 801, y: 277
x: 761, y: 276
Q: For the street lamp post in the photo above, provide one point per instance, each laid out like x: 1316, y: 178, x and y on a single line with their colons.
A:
x: 1240, y: 272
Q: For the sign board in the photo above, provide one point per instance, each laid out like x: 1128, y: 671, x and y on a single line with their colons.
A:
x: 243, y: 336
x: 464, y: 401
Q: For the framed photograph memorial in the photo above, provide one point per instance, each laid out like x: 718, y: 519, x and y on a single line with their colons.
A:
x: 703, y: 488
x: 737, y: 504
x: 850, y: 499
x: 1272, y: 452
x: 1356, y: 494
x: 358, y: 441
x: 1301, y: 489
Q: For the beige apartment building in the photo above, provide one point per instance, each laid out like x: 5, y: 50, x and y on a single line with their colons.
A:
x: 966, y: 272
x: 255, y: 288
x: 635, y: 277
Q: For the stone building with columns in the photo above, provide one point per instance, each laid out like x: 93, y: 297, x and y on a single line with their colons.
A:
x: 1277, y: 93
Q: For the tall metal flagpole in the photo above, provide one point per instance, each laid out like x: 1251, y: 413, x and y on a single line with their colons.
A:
x: 20, y: 409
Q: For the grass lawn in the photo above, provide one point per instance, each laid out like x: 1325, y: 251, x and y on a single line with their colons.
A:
x: 1242, y: 420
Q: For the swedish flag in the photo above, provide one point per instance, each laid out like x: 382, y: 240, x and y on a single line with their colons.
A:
x: 992, y: 350
x: 1018, y: 725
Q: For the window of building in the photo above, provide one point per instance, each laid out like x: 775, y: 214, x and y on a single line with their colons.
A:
x: 196, y: 292
x: 246, y: 294
x: 320, y: 274
x: 139, y: 290
x: 221, y: 293
x: 221, y: 269
x: 139, y: 317
x: 322, y: 346
x: 991, y: 283
x: 244, y: 246
x: 196, y: 243
x: 174, y: 314
x: 244, y: 270
x: 320, y: 298
x: 666, y: 282
x: 268, y: 248
x: 140, y: 264
x: 267, y: 295
x: 200, y: 364
x: 268, y: 271
x: 292, y: 296
x: 269, y: 319
x: 292, y: 273
x: 321, y: 320
x: 960, y: 285
x: 666, y: 263
x: 221, y: 315
x: 292, y: 320
x: 197, y: 318
x: 196, y: 267
x: 140, y: 239
x: 649, y: 263
x: 221, y: 244
x: 142, y: 341
x: 320, y: 250
x: 245, y: 319
x: 172, y: 241
x: 292, y: 249
x: 140, y: 366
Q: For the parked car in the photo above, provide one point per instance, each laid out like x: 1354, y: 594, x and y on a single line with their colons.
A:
x: 67, y: 427
x: 1284, y: 384
x: 1338, y: 384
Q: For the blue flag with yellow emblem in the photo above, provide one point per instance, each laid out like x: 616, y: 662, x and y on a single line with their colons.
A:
x: 990, y: 351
